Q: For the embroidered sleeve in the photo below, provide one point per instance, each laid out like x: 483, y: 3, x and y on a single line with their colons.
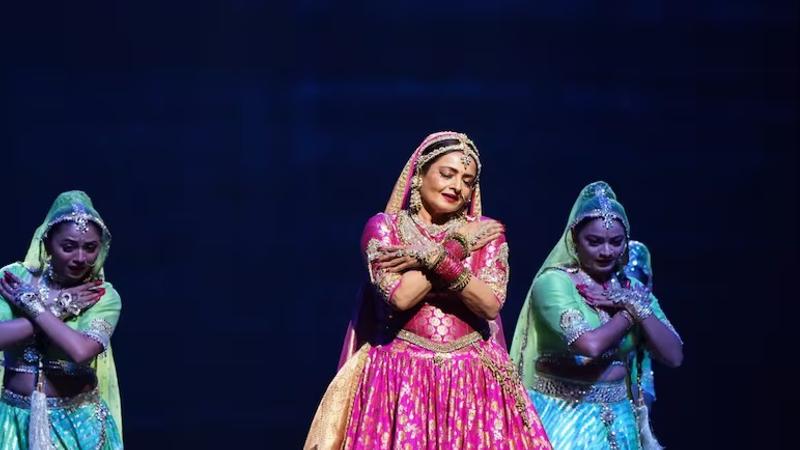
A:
x: 100, y: 331
x: 99, y: 321
x: 494, y: 269
x: 556, y: 304
x: 379, y: 232
x: 573, y: 325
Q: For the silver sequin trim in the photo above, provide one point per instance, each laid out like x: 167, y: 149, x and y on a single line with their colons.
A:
x: 100, y: 331
x: 602, y: 392
x: 573, y: 324
x: 48, y: 365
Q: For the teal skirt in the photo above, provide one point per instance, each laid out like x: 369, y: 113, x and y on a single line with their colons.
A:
x: 77, y: 423
x: 580, y: 416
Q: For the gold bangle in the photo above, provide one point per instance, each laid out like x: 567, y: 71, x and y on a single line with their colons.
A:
x: 434, y: 259
x: 461, y: 282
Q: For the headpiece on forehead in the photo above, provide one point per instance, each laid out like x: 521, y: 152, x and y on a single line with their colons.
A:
x: 75, y: 207
x: 597, y: 200
x: 426, y: 152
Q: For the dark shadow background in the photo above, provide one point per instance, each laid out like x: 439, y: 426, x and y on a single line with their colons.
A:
x: 236, y: 148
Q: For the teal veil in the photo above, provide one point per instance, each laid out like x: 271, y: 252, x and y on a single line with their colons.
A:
x: 596, y: 200
x: 640, y: 267
x: 639, y: 264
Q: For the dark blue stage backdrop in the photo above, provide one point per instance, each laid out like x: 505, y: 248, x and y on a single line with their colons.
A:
x: 237, y: 147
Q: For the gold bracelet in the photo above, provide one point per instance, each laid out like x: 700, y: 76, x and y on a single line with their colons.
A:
x: 434, y: 258
x: 461, y: 282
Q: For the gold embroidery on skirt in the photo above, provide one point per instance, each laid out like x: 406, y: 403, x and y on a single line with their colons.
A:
x: 509, y: 381
x: 330, y: 422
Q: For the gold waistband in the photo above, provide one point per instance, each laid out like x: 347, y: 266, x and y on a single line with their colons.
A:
x: 440, y: 347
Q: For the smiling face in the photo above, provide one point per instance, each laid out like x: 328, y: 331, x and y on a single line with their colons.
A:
x: 599, y: 248
x: 73, y: 250
x: 447, y: 185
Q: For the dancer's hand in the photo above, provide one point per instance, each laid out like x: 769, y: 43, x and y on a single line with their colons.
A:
x: 71, y: 302
x: 482, y: 232
x: 10, y: 286
x: 598, y: 297
x: 398, y: 258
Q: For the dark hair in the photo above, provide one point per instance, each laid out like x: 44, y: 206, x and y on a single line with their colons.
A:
x: 576, y: 230
x: 437, y: 145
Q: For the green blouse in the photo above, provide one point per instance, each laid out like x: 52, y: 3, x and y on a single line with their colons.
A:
x: 561, y: 315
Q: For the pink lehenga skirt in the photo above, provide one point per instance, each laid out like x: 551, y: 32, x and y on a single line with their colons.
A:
x: 417, y: 394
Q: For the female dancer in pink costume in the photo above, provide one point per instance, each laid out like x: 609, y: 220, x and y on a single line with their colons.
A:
x: 421, y: 368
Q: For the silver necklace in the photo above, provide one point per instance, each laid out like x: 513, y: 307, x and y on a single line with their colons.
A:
x: 612, y: 282
x: 45, y: 285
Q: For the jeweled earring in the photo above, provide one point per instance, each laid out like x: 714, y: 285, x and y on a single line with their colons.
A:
x: 415, y: 202
x: 464, y: 210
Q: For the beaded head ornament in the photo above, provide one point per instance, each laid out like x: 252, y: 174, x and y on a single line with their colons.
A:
x: 408, y: 182
x: 597, y: 200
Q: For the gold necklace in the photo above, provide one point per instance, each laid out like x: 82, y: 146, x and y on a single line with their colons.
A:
x: 433, y: 229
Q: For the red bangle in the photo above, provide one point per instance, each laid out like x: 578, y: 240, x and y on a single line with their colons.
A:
x: 454, y: 249
x: 448, y: 269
